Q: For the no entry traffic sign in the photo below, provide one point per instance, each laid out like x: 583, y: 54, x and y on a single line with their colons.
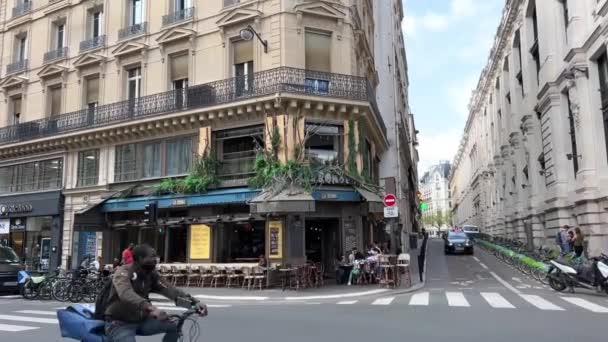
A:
x: 390, y: 200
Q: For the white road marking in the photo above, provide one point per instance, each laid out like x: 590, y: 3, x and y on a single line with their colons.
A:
x: 476, y: 259
x: 484, y: 265
x: 347, y: 302
x: 420, y: 299
x: 37, y: 312
x: 541, y: 303
x: 15, y: 328
x: 517, y: 279
x: 11, y: 297
x: 383, y: 301
x: 337, y: 296
x: 496, y: 300
x: 585, y: 304
x: 456, y: 299
x: 29, y: 319
x: 230, y: 297
x: 504, y: 283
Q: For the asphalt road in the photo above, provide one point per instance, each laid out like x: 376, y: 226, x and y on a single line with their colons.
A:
x: 467, y: 298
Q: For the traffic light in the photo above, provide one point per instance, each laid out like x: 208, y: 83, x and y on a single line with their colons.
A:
x: 418, y: 194
x: 423, y: 206
x: 151, y: 214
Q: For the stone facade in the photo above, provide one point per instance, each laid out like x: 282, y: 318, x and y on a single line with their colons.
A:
x: 533, y: 156
x: 435, y: 190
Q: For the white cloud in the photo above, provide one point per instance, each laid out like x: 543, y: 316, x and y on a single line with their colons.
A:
x: 435, y: 22
x: 462, y: 8
x: 459, y: 94
x: 437, y: 146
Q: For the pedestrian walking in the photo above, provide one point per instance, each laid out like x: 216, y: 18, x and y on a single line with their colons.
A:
x: 562, y: 240
x: 578, y: 242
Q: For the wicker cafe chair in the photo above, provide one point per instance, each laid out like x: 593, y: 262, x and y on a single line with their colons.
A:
x: 248, y: 277
x: 179, y: 278
x: 206, y: 277
x: 218, y: 276
x: 258, y: 277
x: 319, y: 271
x: 193, y: 275
x: 233, y: 276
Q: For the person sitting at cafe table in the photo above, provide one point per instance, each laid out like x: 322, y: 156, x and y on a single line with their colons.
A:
x: 339, y: 266
x: 355, y: 272
x: 262, y: 261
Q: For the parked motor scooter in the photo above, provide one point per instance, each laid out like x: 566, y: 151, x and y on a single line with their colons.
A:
x: 562, y: 276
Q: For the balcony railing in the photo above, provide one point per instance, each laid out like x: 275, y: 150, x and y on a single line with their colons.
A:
x: 17, y: 66
x: 22, y: 8
x: 133, y: 30
x: 93, y: 43
x: 231, y: 2
x: 56, y: 54
x: 177, y: 16
x: 263, y: 83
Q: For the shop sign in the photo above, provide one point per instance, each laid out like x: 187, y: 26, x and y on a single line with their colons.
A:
x: 200, y: 241
x: 391, y: 212
x: 350, y: 235
x: 18, y: 224
x: 180, y: 202
x: 5, y: 226
x: 7, y: 209
x: 275, y: 237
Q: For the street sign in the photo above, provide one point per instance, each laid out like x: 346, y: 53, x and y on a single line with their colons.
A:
x: 391, y: 212
x: 390, y: 200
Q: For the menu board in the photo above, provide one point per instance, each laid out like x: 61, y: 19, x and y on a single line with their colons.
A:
x: 200, y: 241
x: 350, y: 235
x: 275, y: 237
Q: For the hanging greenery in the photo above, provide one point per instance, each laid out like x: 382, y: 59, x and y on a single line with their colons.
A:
x: 364, y: 154
x: 352, y: 150
x: 202, y: 177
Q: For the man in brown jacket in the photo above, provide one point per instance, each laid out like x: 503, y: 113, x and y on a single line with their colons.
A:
x: 129, y: 311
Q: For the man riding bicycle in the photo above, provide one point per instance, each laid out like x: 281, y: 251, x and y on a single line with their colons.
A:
x: 129, y: 311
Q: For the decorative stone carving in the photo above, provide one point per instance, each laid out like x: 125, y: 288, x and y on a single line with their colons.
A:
x: 575, y: 106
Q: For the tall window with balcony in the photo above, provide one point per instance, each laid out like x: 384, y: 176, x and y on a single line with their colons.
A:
x: 133, y: 83
x: 91, y: 98
x: 242, y: 57
x: 236, y: 149
x: 135, y: 23
x: 88, y: 168
x: 180, y: 10
x: 19, y: 63
x: 58, y: 49
x: 15, y: 104
x: 520, y: 67
x: 94, y: 35
x: 54, y: 100
x: 22, y: 7
x: 318, y: 61
x: 602, y: 65
x: 179, y: 78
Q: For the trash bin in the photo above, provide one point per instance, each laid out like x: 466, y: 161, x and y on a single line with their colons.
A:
x: 413, y: 241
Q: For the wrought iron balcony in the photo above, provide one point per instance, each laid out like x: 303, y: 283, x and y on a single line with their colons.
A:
x: 231, y: 2
x: 177, y: 16
x: 133, y: 30
x: 56, y: 54
x: 22, y: 8
x: 18, y: 66
x: 93, y: 43
x: 284, y: 80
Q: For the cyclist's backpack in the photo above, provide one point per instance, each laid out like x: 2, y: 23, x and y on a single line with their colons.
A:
x: 103, y: 300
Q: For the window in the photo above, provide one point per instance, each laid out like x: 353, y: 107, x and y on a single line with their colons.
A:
x: 88, y: 168
x: 180, y: 5
x: 16, y: 110
x: 572, y: 133
x: 236, y: 150
x: 134, y: 83
x: 92, y: 92
x: 54, y: 99
x: 136, y: 12
x: 153, y: 159
x: 34, y: 176
x: 59, y: 36
x: 520, y: 73
x: 317, y: 55
x: 21, y: 49
x: 179, y: 78
x: 323, y: 144
x: 243, y: 65
x: 602, y: 66
x: 566, y: 15
x: 96, y: 21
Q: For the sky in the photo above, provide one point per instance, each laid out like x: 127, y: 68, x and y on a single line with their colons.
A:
x: 447, y: 44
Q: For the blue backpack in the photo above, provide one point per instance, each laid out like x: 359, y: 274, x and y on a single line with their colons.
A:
x: 78, y: 322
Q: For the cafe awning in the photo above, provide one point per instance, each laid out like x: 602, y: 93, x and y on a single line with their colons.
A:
x: 373, y: 201
x: 289, y: 200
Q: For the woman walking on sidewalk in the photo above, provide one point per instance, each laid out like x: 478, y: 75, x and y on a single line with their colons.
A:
x: 578, y: 242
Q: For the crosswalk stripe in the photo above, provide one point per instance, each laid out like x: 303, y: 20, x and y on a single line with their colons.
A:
x: 37, y: 312
x: 496, y: 300
x: 456, y: 299
x: 29, y: 319
x: 15, y: 328
x: 541, y: 303
x: 383, y: 301
x: 11, y: 297
x: 420, y: 299
x: 347, y: 302
x: 585, y: 304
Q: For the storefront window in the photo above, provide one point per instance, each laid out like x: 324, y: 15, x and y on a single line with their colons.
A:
x: 245, y: 241
x: 323, y: 144
x: 236, y: 150
x: 34, y: 176
x: 38, y: 229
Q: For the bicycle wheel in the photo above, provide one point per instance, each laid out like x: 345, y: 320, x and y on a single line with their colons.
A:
x: 45, y: 291
x: 75, y: 292
x: 29, y: 290
x: 59, y: 290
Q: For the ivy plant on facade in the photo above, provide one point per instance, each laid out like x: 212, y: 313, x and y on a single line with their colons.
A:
x: 202, y: 177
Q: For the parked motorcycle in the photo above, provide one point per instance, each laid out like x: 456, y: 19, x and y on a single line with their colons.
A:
x: 562, y: 276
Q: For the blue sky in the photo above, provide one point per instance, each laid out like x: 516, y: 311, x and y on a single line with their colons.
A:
x: 447, y: 44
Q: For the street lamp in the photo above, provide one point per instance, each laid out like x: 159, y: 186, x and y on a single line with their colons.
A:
x: 247, y: 34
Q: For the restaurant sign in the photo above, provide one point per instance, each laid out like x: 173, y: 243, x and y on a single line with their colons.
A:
x: 275, y: 235
x: 200, y: 241
x: 7, y: 209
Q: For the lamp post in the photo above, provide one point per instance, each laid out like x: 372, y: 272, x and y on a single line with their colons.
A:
x: 248, y: 33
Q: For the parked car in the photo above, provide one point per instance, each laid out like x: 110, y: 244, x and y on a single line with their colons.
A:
x: 458, y: 242
x: 10, y: 265
x: 471, y: 231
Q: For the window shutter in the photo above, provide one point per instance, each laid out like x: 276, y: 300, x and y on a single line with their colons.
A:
x: 93, y: 90
x: 179, y: 67
x: 243, y: 51
x: 318, y: 47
